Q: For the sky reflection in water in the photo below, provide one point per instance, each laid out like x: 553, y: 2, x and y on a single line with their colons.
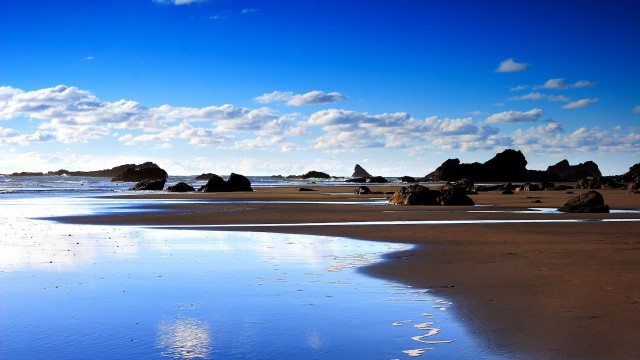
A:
x: 77, y: 292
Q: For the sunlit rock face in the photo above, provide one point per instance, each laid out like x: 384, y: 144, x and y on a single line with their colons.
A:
x: 184, y: 339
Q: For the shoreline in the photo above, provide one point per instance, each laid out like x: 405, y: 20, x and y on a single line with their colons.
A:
x: 532, y: 290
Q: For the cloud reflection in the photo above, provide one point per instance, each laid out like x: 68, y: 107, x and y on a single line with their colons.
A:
x: 184, y: 339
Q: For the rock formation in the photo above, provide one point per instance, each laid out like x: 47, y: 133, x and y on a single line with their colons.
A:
x: 416, y: 194
x: 575, y: 172
x: 633, y: 175
x: 316, y: 175
x: 359, y: 172
x: 181, y: 187
x: 206, y: 176
x: 589, y: 202
x: 145, y: 171
x: 509, y: 165
x: 150, y: 184
x: 599, y: 183
x: 235, y: 182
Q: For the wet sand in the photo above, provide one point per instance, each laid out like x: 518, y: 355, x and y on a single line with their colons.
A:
x: 548, y: 290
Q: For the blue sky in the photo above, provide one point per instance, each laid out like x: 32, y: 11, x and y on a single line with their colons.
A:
x: 283, y: 87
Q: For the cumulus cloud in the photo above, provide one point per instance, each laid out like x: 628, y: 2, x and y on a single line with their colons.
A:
x: 509, y: 65
x: 515, y: 116
x: 580, y: 103
x: 561, y: 84
x: 315, y: 97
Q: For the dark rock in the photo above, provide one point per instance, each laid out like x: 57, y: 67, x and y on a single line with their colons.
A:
x: 362, y: 190
x: 633, y: 175
x: 529, y: 187
x: 145, y: 172
x: 306, y: 189
x: 634, y: 187
x: 206, y: 176
x: 359, y: 172
x: 509, y: 165
x: 408, y: 179
x: 235, y: 182
x: 414, y: 195
x: 27, y: 173
x: 150, y: 184
x: 599, y: 183
x: 377, y: 180
x: 589, y: 202
x: 575, y: 172
x: 454, y: 195
x: 181, y: 187
x: 316, y: 175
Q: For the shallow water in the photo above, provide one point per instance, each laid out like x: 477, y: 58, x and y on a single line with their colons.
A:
x: 80, y: 291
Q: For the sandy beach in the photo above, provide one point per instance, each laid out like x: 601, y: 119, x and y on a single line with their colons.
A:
x: 543, y: 288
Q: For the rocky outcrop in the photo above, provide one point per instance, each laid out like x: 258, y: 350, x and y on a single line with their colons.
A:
x: 181, y: 187
x: 150, y: 184
x: 235, y: 182
x: 421, y: 195
x: 316, y: 175
x: 206, y: 176
x: 108, y: 173
x: 569, y: 172
x: 144, y: 172
x: 589, y: 202
x: 359, y: 172
x: 599, y: 183
x: 633, y: 175
x: 509, y: 165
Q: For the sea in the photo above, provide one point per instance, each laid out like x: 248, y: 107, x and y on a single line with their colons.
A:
x: 139, y: 292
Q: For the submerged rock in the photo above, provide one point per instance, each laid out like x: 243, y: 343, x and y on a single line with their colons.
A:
x: 589, y: 202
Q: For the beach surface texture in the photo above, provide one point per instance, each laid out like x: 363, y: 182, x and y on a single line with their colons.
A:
x: 534, y: 283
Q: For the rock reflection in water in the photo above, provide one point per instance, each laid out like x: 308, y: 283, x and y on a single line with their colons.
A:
x: 184, y: 339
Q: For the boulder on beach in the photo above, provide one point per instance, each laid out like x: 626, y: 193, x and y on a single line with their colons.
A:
x: 589, y: 202
x: 414, y: 195
x: 181, y: 187
x: 455, y: 195
x: 235, y: 182
x: 362, y: 190
x: 145, y: 171
x: 633, y: 175
x: 377, y: 180
x: 150, y: 184
x: 408, y: 179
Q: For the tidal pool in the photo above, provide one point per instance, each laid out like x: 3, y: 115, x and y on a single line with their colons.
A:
x: 113, y: 292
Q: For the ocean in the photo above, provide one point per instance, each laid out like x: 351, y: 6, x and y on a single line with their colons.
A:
x: 125, y: 292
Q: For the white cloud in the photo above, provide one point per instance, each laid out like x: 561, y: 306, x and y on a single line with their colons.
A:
x: 250, y: 11
x: 515, y: 116
x: 636, y: 109
x: 509, y: 65
x: 178, y: 2
x: 561, y: 84
x: 315, y: 97
x: 520, y: 87
x: 529, y: 96
x: 580, y: 103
